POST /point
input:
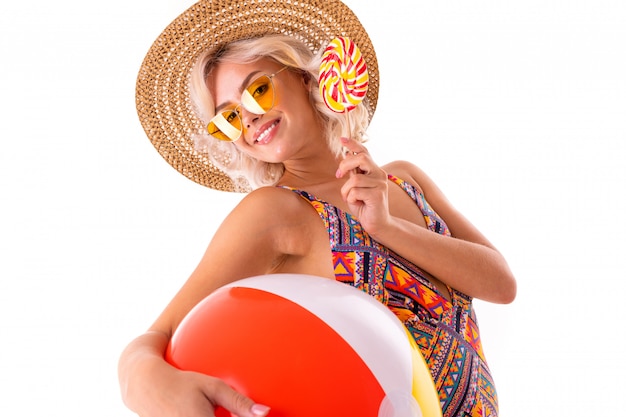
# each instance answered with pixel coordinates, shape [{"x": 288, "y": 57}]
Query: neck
[{"x": 316, "y": 169}]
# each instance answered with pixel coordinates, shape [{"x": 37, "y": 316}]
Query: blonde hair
[{"x": 245, "y": 171}]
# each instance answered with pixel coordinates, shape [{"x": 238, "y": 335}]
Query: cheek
[
  {"x": 302, "y": 109},
  {"x": 244, "y": 148},
  {"x": 294, "y": 93}
]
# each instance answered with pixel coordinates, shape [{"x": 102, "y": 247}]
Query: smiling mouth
[{"x": 261, "y": 138}]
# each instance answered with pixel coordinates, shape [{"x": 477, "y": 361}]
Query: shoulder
[
  {"x": 410, "y": 173},
  {"x": 267, "y": 208},
  {"x": 268, "y": 223},
  {"x": 418, "y": 178},
  {"x": 272, "y": 200},
  {"x": 282, "y": 216}
]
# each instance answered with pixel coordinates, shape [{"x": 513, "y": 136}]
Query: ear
[{"x": 306, "y": 79}]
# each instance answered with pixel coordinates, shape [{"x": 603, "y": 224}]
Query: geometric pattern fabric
[{"x": 444, "y": 326}]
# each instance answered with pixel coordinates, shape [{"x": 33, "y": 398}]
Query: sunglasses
[{"x": 258, "y": 98}]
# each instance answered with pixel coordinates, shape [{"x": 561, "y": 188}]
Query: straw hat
[{"x": 162, "y": 94}]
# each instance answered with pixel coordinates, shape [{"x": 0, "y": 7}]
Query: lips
[{"x": 264, "y": 134}]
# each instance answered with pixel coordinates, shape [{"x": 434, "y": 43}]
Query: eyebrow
[{"x": 243, "y": 85}]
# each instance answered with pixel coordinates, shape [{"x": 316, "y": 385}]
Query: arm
[
  {"x": 246, "y": 244},
  {"x": 478, "y": 269},
  {"x": 152, "y": 387}
]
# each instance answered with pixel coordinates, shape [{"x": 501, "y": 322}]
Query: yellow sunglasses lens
[
  {"x": 226, "y": 126},
  {"x": 257, "y": 98}
]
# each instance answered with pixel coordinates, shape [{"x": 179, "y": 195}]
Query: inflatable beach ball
[{"x": 307, "y": 347}]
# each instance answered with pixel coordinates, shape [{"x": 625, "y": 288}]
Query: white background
[{"x": 516, "y": 108}]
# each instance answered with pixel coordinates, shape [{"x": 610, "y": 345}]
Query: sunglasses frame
[{"x": 237, "y": 108}]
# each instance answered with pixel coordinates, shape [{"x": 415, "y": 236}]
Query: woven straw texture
[{"x": 162, "y": 93}]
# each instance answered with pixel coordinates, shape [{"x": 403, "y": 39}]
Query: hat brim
[{"x": 162, "y": 91}]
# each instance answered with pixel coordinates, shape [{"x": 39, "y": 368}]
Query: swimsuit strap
[{"x": 433, "y": 221}]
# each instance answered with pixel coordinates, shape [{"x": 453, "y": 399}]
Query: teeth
[{"x": 266, "y": 132}]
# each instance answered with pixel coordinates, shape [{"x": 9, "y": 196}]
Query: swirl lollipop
[{"x": 343, "y": 77}]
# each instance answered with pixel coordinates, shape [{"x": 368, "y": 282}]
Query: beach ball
[{"x": 306, "y": 346}]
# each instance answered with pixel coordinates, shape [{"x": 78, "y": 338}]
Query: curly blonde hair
[{"x": 245, "y": 171}]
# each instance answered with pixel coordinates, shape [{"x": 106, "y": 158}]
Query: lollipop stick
[
  {"x": 346, "y": 150},
  {"x": 348, "y": 133}
]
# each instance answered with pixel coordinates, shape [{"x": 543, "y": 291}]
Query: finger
[
  {"x": 360, "y": 163},
  {"x": 350, "y": 164},
  {"x": 353, "y": 146},
  {"x": 237, "y": 403},
  {"x": 358, "y": 187}
]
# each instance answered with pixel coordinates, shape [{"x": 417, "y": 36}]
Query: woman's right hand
[
  {"x": 191, "y": 394},
  {"x": 151, "y": 387}
]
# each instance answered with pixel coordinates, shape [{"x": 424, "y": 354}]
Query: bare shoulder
[
  {"x": 279, "y": 214},
  {"x": 272, "y": 204},
  {"x": 460, "y": 226},
  {"x": 409, "y": 172}
]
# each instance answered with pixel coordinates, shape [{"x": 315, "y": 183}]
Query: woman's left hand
[{"x": 366, "y": 190}]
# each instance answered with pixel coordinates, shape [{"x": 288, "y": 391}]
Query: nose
[{"x": 248, "y": 117}]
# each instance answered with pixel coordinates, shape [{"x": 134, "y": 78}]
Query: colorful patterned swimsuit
[{"x": 446, "y": 331}]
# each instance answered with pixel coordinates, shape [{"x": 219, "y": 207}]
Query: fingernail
[
  {"x": 344, "y": 140},
  {"x": 338, "y": 173},
  {"x": 260, "y": 410}
]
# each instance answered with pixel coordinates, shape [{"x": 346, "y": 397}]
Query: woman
[{"x": 265, "y": 127}]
